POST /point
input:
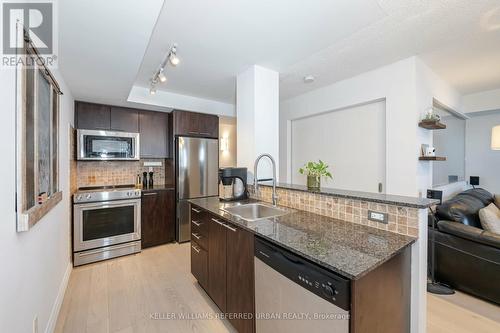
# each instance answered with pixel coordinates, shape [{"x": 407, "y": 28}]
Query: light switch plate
[{"x": 377, "y": 216}]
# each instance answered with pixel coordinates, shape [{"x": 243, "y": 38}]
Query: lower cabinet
[
  {"x": 227, "y": 263},
  {"x": 157, "y": 217}
]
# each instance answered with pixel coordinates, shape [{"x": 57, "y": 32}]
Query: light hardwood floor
[{"x": 121, "y": 295}]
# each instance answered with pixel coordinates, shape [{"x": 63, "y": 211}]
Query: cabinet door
[
  {"x": 209, "y": 126},
  {"x": 199, "y": 265},
  {"x": 217, "y": 263},
  {"x": 124, "y": 119},
  {"x": 157, "y": 218},
  {"x": 93, "y": 116},
  {"x": 153, "y": 128},
  {"x": 186, "y": 123},
  {"x": 240, "y": 278}
]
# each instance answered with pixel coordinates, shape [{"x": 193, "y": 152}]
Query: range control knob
[
  {"x": 88, "y": 196},
  {"x": 79, "y": 197},
  {"x": 129, "y": 194},
  {"x": 329, "y": 291}
]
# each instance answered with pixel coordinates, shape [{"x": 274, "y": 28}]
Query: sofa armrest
[{"x": 470, "y": 233}]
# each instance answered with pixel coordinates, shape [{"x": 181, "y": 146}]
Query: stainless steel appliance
[
  {"x": 95, "y": 145},
  {"x": 197, "y": 166},
  {"x": 106, "y": 223},
  {"x": 286, "y": 284},
  {"x": 233, "y": 184}
]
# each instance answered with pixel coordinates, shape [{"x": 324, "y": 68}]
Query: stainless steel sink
[{"x": 254, "y": 212}]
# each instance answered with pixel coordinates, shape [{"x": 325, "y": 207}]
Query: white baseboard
[{"x": 51, "y": 324}]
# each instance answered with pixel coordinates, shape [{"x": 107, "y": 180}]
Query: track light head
[
  {"x": 174, "y": 60},
  {"x": 162, "y": 77}
]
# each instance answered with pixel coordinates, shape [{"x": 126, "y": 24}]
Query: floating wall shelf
[
  {"x": 432, "y": 125},
  {"x": 432, "y": 158}
]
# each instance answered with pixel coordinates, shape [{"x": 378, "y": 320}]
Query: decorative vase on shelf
[{"x": 313, "y": 183}]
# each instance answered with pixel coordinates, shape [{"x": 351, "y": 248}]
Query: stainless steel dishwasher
[{"x": 295, "y": 295}]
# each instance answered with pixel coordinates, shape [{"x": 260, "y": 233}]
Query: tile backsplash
[
  {"x": 401, "y": 220},
  {"x": 92, "y": 173}
]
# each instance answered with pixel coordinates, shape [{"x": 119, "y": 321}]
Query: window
[{"x": 37, "y": 125}]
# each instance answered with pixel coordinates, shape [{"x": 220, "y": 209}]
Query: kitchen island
[{"x": 375, "y": 262}]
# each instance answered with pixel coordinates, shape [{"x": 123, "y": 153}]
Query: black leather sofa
[{"x": 467, "y": 257}]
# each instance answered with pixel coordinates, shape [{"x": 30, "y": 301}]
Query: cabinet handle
[
  {"x": 194, "y": 248},
  {"x": 147, "y": 194},
  {"x": 230, "y": 228},
  {"x": 219, "y": 222},
  {"x": 205, "y": 133},
  {"x": 196, "y": 236},
  {"x": 191, "y": 132},
  {"x": 196, "y": 223},
  {"x": 196, "y": 210}
]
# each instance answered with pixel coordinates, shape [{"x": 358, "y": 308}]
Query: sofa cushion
[
  {"x": 490, "y": 218},
  {"x": 497, "y": 200},
  {"x": 461, "y": 208},
  {"x": 470, "y": 233},
  {"x": 481, "y": 194}
]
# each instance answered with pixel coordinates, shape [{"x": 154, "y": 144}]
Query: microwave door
[{"x": 107, "y": 145}]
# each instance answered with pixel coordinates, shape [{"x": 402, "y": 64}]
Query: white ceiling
[{"x": 120, "y": 46}]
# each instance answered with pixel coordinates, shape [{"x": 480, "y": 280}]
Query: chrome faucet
[{"x": 256, "y": 179}]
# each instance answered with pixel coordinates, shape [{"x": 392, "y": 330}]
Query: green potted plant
[{"x": 314, "y": 172}]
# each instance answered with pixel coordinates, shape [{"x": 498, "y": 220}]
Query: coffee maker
[{"x": 233, "y": 182}]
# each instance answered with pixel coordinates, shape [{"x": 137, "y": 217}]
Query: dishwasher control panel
[{"x": 318, "y": 280}]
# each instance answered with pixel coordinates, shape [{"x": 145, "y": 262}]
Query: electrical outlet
[
  {"x": 378, "y": 217},
  {"x": 150, "y": 169},
  {"x": 35, "y": 324}
]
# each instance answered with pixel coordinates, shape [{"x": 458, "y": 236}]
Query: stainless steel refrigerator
[{"x": 197, "y": 176}]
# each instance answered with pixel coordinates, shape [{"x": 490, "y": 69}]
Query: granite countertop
[
  {"x": 158, "y": 187},
  {"x": 398, "y": 200},
  {"x": 349, "y": 249}
]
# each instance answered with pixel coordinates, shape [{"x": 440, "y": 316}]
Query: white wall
[
  {"x": 356, "y": 161},
  {"x": 482, "y": 101},
  {"x": 480, "y": 159},
  {"x": 257, "y": 108},
  {"x": 227, "y": 129},
  {"x": 397, "y": 85},
  {"x": 429, "y": 86},
  {"x": 35, "y": 264}
]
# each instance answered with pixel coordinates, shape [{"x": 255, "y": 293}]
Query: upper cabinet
[
  {"x": 124, "y": 119},
  {"x": 92, "y": 116},
  {"x": 105, "y": 117},
  {"x": 195, "y": 124},
  {"x": 154, "y": 134}
]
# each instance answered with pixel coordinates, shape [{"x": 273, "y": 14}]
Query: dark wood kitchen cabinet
[
  {"x": 153, "y": 128},
  {"x": 195, "y": 124},
  {"x": 157, "y": 217},
  {"x": 240, "y": 277},
  {"x": 217, "y": 268},
  {"x": 231, "y": 279},
  {"x": 92, "y": 116},
  {"x": 124, "y": 119}
]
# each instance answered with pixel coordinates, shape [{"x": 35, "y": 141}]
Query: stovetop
[{"x": 106, "y": 193}]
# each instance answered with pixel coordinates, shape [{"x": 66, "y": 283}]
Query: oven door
[
  {"x": 107, "y": 223},
  {"x": 107, "y": 145}
]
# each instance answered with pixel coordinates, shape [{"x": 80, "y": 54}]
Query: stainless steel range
[{"x": 106, "y": 223}]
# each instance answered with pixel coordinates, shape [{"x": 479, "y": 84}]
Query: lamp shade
[{"x": 495, "y": 138}]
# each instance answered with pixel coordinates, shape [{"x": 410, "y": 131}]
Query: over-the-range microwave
[{"x": 97, "y": 145}]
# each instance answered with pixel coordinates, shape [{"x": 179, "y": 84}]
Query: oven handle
[
  {"x": 117, "y": 247},
  {"x": 107, "y": 204}
]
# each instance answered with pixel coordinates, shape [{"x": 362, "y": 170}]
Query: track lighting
[{"x": 159, "y": 76}]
